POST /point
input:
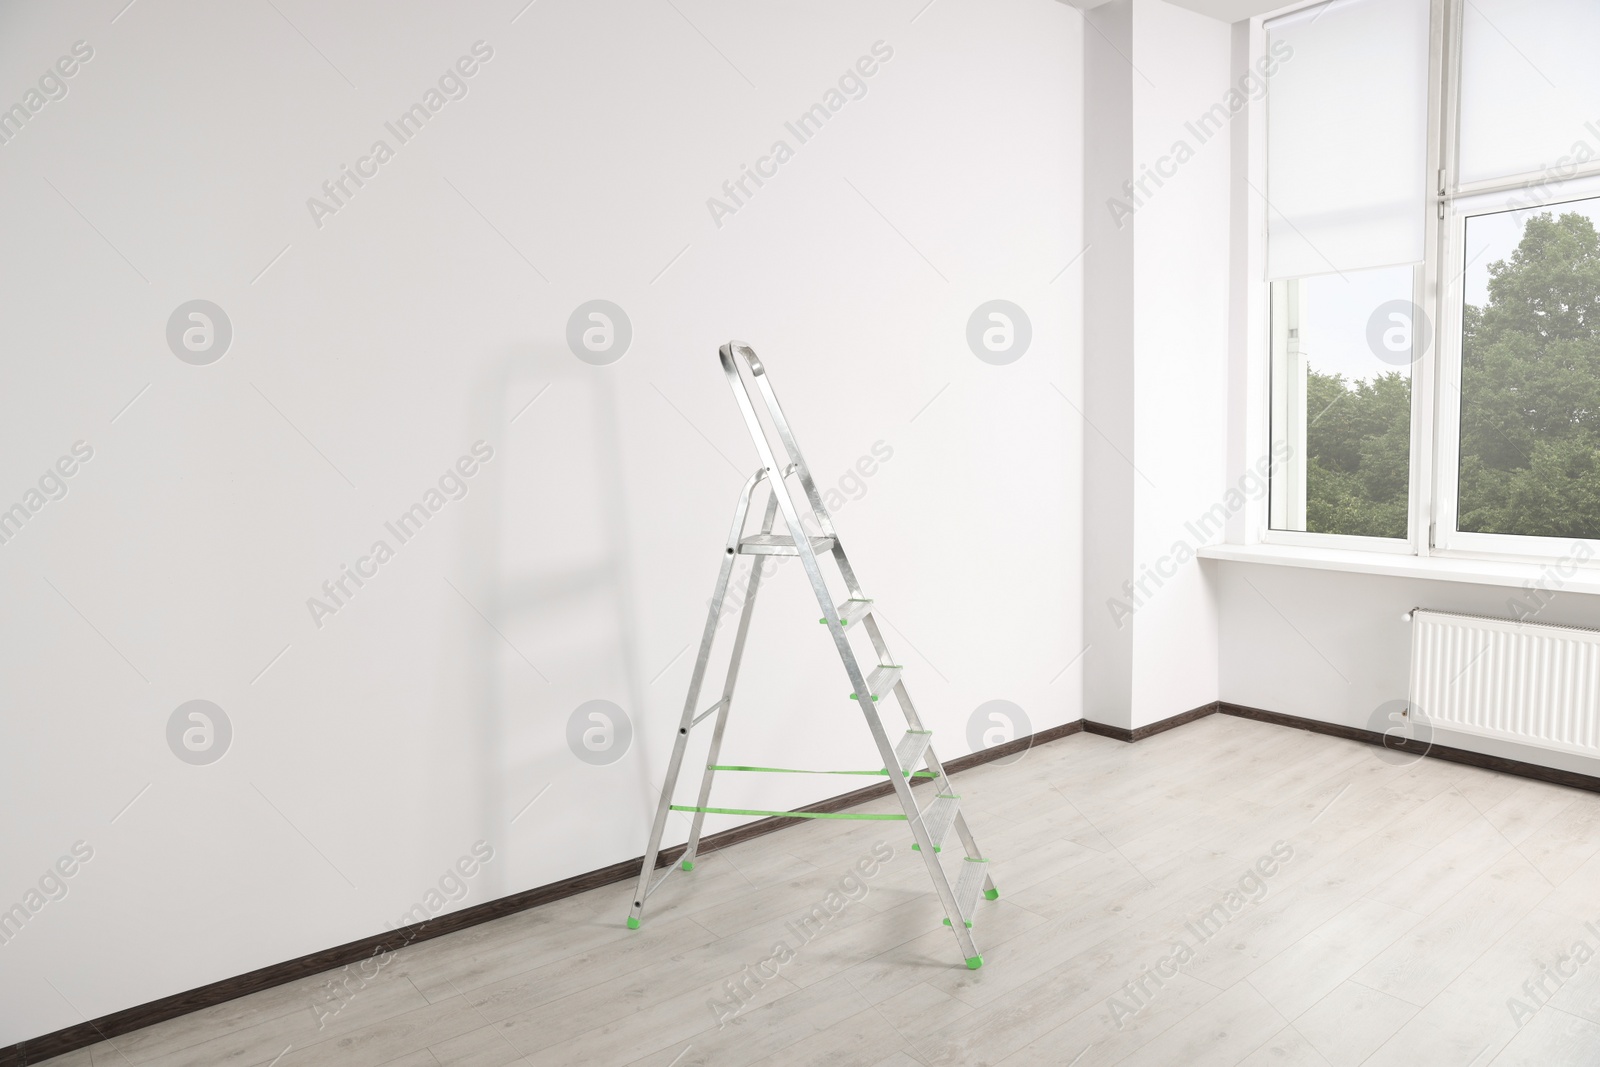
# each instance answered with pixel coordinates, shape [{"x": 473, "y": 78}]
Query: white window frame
[{"x": 1438, "y": 288}]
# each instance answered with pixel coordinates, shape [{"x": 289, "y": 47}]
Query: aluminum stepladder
[{"x": 930, "y": 825}]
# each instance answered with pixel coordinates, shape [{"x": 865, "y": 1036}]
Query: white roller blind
[
  {"x": 1530, "y": 88},
  {"x": 1347, "y": 122}
]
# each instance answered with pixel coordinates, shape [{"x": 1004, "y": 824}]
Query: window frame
[{"x": 1438, "y": 287}]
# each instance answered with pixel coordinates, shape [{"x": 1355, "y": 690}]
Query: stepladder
[{"x": 795, "y": 523}]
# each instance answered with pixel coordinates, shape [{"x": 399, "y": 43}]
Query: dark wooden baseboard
[
  {"x": 1572, "y": 779},
  {"x": 1150, "y": 729},
  {"x": 108, "y": 1026}
]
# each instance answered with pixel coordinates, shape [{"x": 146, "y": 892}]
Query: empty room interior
[{"x": 895, "y": 533}]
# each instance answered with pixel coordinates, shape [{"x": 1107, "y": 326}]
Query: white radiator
[{"x": 1524, "y": 682}]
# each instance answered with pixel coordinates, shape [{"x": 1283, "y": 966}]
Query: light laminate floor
[{"x": 1414, "y": 904}]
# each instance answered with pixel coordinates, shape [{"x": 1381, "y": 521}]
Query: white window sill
[{"x": 1508, "y": 573}]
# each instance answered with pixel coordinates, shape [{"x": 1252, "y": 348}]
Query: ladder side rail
[
  {"x": 663, "y": 807},
  {"x": 775, "y": 412},
  {"x": 881, "y": 647},
  {"x": 970, "y": 843},
  {"x": 908, "y": 707},
  {"x": 808, "y": 558},
  {"x": 791, "y": 517},
  {"x": 745, "y": 613},
  {"x": 914, "y": 721},
  {"x": 764, "y": 384},
  {"x": 944, "y": 785}
]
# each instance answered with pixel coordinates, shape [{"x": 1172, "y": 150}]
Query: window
[
  {"x": 1342, "y": 349},
  {"x": 1429, "y": 192},
  {"x": 1529, "y": 419}
]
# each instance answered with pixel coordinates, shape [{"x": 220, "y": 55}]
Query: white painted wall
[
  {"x": 1108, "y": 409},
  {"x": 1156, "y": 357},
  {"x": 1180, "y": 352},
  {"x": 1333, "y": 646},
  {"x": 372, "y": 351}
]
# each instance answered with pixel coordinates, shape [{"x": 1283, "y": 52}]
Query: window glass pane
[
  {"x": 1530, "y": 373},
  {"x": 1342, "y": 350},
  {"x": 1530, "y": 87},
  {"x": 1346, "y": 143}
]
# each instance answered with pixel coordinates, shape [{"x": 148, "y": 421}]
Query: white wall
[
  {"x": 1180, "y": 352},
  {"x": 1156, "y": 357},
  {"x": 422, "y": 317},
  {"x": 1333, "y": 646},
  {"x": 1108, "y": 329}
]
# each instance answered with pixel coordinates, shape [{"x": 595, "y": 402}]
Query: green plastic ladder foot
[
  {"x": 633, "y": 924},
  {"x": 688, "y": 865},
  {"x": 991, "y": 894},
  {"x": 948, "y": 923},
  {"x": 974, "y": 963}
]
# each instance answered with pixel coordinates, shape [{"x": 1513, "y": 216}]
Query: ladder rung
[
  {"x": 851, "y": 611},
  {"x": 969, "y": 886},
  {"x": 938, "y": 817},
  {"x": 911, "y": 747},
  {"x": 781, "y": 545},
  {"x": 657, "y": 883},
  {"x": 708, "y": 711},
  {"x": 881, "y": 680}
]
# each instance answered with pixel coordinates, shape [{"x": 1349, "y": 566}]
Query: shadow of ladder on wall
[{"x": 902, "y": 761}]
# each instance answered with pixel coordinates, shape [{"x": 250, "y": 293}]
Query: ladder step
[
  {"x": 881, "y": 680},
  {"x": 861, "y": 815},
  {"x": 938, "y": 818},
  {"x": 851, "y": 611},
  {"x": 781, "y": 545},
  {"x": 801, "y": 770},
  {"x": 970, "y": 886},
  {"x": 911, "y": 747}
]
